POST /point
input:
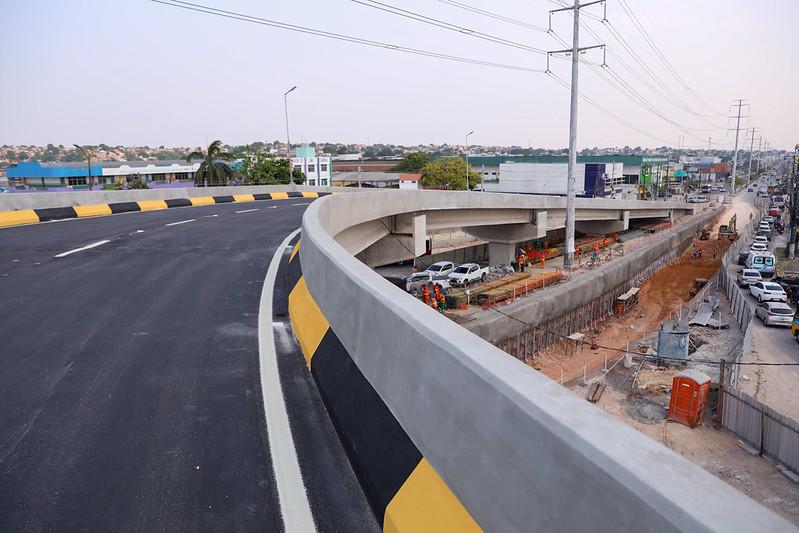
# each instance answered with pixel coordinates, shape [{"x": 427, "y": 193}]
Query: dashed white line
[
  {"x": 247, "y": 211},
  {"x": 291, "y": 492},
  {"x": 304, "y": 203},
  {"x": 87, "y": 247},
  {"x": 181, "y": 222}
]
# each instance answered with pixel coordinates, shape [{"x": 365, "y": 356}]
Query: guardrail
[{"x": 517, "y": 450}]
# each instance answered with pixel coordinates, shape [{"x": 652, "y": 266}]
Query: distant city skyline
[{"x": 138, "y": 72}]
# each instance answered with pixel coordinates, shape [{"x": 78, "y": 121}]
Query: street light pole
[
  {"x": 467, "y": 159},
  {"x": 88, "y": 155},
  {"x": 288, "y": 138}
]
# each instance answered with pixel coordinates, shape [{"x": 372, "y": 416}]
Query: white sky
[{"x": 136, "y": 72}]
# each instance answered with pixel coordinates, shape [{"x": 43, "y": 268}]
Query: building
[
  {"x": 318, "y": 170},
  {"x": 49, "y": 175},
  {"x": 622, "y": 174}
]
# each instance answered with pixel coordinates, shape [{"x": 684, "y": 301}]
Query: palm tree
[{"x": 211, "y": 171}]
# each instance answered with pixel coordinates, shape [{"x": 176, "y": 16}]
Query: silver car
[{"x": 774, "y": 314}]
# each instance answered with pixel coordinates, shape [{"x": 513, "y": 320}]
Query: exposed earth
[{"x": 641, "y": 398}]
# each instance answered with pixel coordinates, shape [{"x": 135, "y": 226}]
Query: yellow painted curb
[
  {"x": 424, "y": 503},
  {"x": 244, "y": 197},
  {"x": 149, "y": 205},
  {"x": 92, "y": 210},
  {"x": 14, "y": 218},
  {"x": 279, "y": 195},
  {"x": 202, "y": 200}
]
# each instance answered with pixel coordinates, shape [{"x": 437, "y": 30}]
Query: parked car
[
  {"x": 748, "y": 276},
  {"x": 767, "y": 291},
  {"x": 442, "y": 268},
  {"x": 788, "y": 281},
  {"x": 774, "y": 314},
  {"x": 467, "y": 274},
  {"x": 417, "y": 280}
]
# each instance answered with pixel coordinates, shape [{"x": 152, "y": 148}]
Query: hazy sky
[{"x": 137, "y": 72}]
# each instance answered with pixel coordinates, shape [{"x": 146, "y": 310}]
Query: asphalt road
[
  {"x": 130, "y": 396},
  {"x": 774, "y": 344}
]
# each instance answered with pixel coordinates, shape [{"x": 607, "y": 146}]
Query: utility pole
[
  {"x": 751, "y": 153},
  {"x": 737, "y": 131},
  {"x": 759, "y": 146},
  {"x": 794, "y": 216},
  {"x": 568, "y": 251}
]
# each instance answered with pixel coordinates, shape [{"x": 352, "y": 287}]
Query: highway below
[{"x": 130, "y": 389}]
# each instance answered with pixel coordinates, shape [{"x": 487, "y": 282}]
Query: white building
[{"x": 318, "y": 170}]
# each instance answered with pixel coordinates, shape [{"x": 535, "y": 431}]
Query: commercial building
[
  {"x": 49, "y": 175},
  {"x": 619, "y": 175}
]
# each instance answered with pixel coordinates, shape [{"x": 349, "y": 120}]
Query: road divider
[{"x": 46, "y": 214}]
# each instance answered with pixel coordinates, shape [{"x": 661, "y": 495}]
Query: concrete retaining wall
[
  {"x": 561, "y": 299},
  {"x": 520, "y": 452}
]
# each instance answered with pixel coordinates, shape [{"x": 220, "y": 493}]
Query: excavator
[{"x": 729, "y": 230}]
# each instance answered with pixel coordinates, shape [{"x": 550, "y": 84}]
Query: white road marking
[
  {"x": 272, "y": 207},
  {"x": 294, "y": 506},
  {"x": 211, "y": 216},
  {"x": 87, "y": 247},
  {"x": 181, "y": 222},
  {"x": 304, "y": 203},
  {"x": 247, "y": 211}
]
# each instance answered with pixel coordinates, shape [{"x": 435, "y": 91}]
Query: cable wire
[{"x": 332, "y": 35}]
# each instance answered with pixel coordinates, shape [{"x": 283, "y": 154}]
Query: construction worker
[
  {"x": 543, "y": 260},
  {"x": 596, "y": 248},
  {"x": 442, "y": 305},
  {"x": 700, "y": 253},
  {"x": 415, "y": 269},
  {"x": 437, "y": 291},
  {"x": 604, "y": 243},
  {"x": 615, "y": 237},
  {"x": 714, "y": 253},
  {"x": 434, "y": 303},
  {"x": 577, "y": 251},
  {"x": 426, "y": 295}
]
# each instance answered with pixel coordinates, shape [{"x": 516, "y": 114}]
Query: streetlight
[
  {"x": 467, "y": 159},
  {"x": 288, "y": 138}
]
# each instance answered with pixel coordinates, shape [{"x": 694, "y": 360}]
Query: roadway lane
[{"x": 130, "y": 392}]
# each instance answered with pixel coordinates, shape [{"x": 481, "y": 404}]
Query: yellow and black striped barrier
[
  {"x": 405, "y": 492},
  {"x": 32, "y": 216}
]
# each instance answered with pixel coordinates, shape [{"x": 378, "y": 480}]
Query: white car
[
  {"x": 765, "y": 291},
  {"x": 759, "y": 247},
  {"x": 774, "y": 314},
  {"x": 467, "y": 274},
  {"x": 768, "y": 219},
  {"x": 442, "y": 268},
  {"x": 748, "y": 276},
  {"x": 697, "y": 199},
  {"x": 761, "y": 239}
]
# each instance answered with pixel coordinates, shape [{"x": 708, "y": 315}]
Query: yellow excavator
[{"x": 729, "y": 230}]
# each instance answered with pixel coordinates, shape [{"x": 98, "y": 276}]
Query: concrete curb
[{"x": 45, "y": 214}]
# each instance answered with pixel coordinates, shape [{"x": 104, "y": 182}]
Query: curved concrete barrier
[{"x": 517, "y": 450}]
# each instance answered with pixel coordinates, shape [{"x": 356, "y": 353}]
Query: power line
[
  {"x": 446, "y": 25},
  {"x": 492, "y": 15},
  {"x": 336, "y": 36}
]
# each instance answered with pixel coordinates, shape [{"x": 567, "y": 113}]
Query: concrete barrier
[{"x": 517, "y": 450}]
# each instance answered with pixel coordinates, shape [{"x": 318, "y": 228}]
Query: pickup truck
[
  {"x": 468, "y": 273},
  {"x": 442, "y": 268},
  {"x": 417, "y": 280}
]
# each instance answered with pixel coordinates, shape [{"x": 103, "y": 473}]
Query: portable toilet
[{"x": 689, "y": 392}]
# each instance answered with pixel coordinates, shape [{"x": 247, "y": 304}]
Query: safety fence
[
  {"x": 532, "y": 342},
  {"x": 774, "y": 435}
]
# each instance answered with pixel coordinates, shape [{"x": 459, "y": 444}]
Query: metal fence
[{"x": 774, "y": 435}]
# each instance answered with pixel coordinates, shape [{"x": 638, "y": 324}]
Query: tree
[
  {"x": 386, "y": 151},
  {"x": 448, "y": 173},
  {"x": 414, "y": 162},
  {"x": 212, "y": 171},
  {"x": 257, "y": 168},
  {"x": 88, "y": 155}
]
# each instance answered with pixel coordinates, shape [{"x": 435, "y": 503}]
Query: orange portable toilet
[{"x": 689, "y": 392}]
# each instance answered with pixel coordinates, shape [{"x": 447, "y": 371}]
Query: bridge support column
[{"x": 501, "y": 253}]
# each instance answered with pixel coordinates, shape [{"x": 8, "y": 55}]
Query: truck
[
  {"x": 468, "y": 273},
  {"x": 441, "y": 268}
]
